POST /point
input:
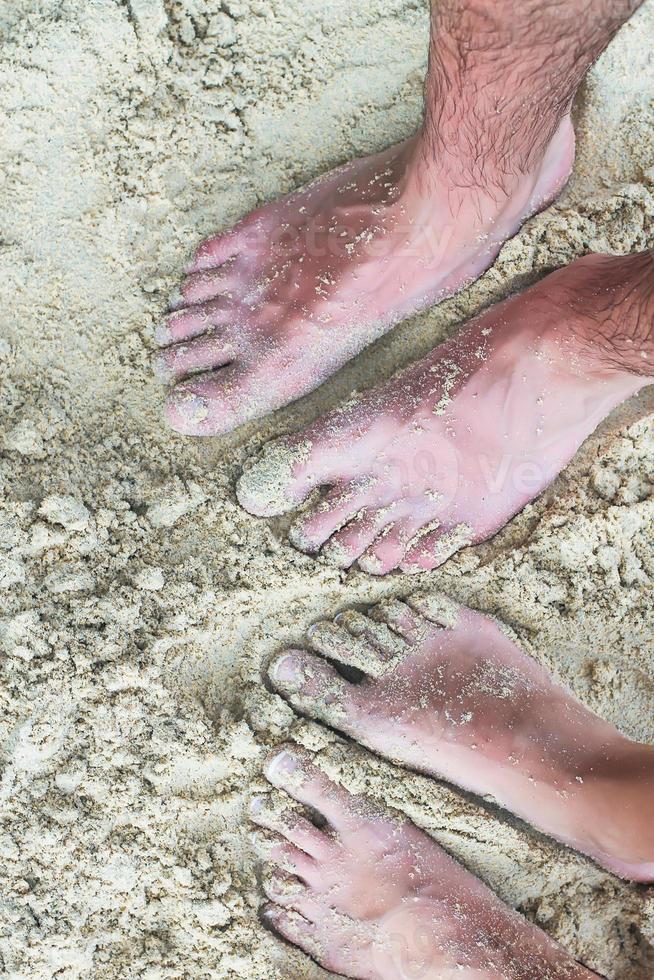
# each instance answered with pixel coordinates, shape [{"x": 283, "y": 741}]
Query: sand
[{"x": 138, "y": 601}]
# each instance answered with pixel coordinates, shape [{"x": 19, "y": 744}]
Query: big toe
[
  {"x": 216, "y": 402},
  {"x": 272, "y": 484},
  {"x": 209, "y": 404}
]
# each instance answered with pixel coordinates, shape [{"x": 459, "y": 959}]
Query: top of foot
[
  {"x": 272, "y": 308},
  {"x": 447, "y": 451},
  {"x": 446, "y": 692},
  {"x": 372, "y": 897}
]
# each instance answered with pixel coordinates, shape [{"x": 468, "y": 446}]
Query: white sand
[{"x": 138, "y": 600}]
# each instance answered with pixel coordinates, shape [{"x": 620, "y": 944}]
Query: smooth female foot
[
  {"x": 372, "y": 897},
  {"x": 447, "y": 451},
  {"x": 447, "y": 693},
  {"x": 299, "y": 287}
]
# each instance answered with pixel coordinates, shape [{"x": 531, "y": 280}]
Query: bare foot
[
  {"x": 447, "y": 693},
  {"x": 272, "y": 308},
  {"x": 451, "y": 448},
  {"x": 372, "y": 897}
]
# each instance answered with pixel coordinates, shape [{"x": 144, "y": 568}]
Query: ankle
[
  {"x": 480, "y": 192},
  {"x": 611, "y": 299}
]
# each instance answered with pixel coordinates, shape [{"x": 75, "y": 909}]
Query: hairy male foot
[
  {"x": 447, "y": 693},
  {"x": 272, "y": 308},
  {"x": 447, "y": 451},
  {"x": 372, "y": 897},
  {"x": 299, "y": 287}
]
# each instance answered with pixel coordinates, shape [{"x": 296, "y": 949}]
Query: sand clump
[{"x": 139, "y": 603}]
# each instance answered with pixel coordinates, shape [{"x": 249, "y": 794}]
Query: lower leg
[
  {"x": 502, "y": 76},
  {"x": 613, "y": 304}
]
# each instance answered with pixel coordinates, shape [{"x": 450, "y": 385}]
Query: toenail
[
  {"x": 193, "y": 408},
  {"x": 371, "y": 564},
  {"x": 162, "y": 334},
  {"x": 283, "y": 764},
  {"x": 336, "y": 554},
  {"x": 161, "y": 369},
  {"x": 286, "y": 669},
  {"x": 257, "y": 804},
  {"x": 175, "y": 300},
  {"x": 283, "y": 886}
]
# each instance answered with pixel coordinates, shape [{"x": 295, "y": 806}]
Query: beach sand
[{"x": 138, "y": 602}]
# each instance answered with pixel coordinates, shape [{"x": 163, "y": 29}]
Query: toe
[
  {"x": 290, "y": 768},
  {"x": 439, "y": 609},
  {"x": 196, "y": 320},
  {"x": 374, "y": 634},
  {"x": 273, "y": 483},
  {"x": 432, "y": 549},
  {"x": 351, "y": 541},
  {"x": 289, "y": 469},
  {"x": 201, "y": 354},
  {"x": 278, "y": 851},
  {"x": 334, "y": 641},
  {"x": 295, "y": 928},
  {"x": 199, "y": 287},
  {"x": 211, "y": 404},
  {"x": 215, "y": 250},
  {"x": 313, "y": 687},
  {"x": 291, "y": 893},
  {"x": 295, "y": 828},
  {"x": 389, "y": 548},
  {"x": 339, "y": 506},
  {"x": 402, "y": 619}
]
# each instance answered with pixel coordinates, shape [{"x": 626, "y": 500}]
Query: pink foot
[
  {"x": 272, "y": 308},
  {"x": 447, "y": 451},
  {"x": 447, "y": 693},
  {"x": 372, "y": 897}
]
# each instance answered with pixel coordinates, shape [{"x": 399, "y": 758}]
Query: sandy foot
[
  {"x": 371, "y": 896},
  {"x": 447, "y": 693},
  {"x": 447, "y": 451},
  {"x": 272, "y": 308}
]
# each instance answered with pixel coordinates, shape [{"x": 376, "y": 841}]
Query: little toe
[
  {"x": 339, "y": 506},
  {"x": 202, "y": 354},
  {"x": 389, "y": 548},
  {"x": 290, "y": 768},
  {"x": 291, "y": 825},
  {"x": 313, "y": 687},
  {"x": 345, "y": 546},
  {"x": 434, "y": 548}
]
